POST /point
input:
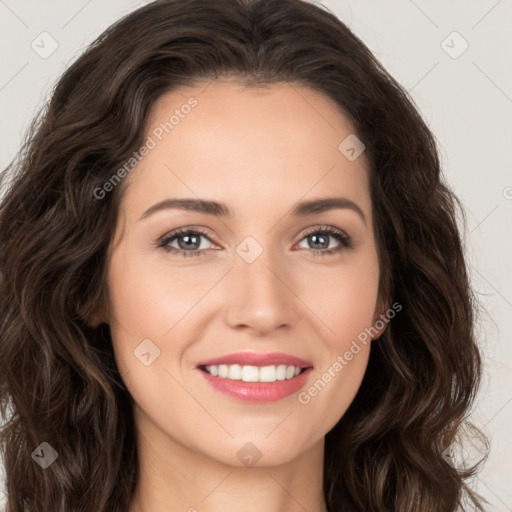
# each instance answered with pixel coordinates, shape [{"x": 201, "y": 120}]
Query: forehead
[{"x": 239, "y": 145}]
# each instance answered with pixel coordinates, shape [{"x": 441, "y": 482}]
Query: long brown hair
[{"x": 58, "y": 379}]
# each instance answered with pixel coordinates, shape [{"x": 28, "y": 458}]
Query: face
[{"x": 256, "y": 284}]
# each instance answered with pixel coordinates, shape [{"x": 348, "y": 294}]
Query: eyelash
[{"x": 345, "y": 241}]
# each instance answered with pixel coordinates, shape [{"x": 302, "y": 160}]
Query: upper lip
[{"x": 255, "y": 359}]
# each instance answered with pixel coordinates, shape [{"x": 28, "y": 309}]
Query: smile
[
  {"x": 253, "y": 377},
  {"x": 248, "y": 373}
]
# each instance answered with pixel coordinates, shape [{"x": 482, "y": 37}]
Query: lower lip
[{"x": 257, "y": 391}]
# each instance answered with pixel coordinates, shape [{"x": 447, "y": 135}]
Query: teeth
[
  {"x": 250, "y": 374},
  {"x": 234, "y": 372},
  {"x": 267, "y": 374},
  {"x": 254, "y": 373},
  {"x": 223, "y": 370},
  {"x": 281, "y": 372}
]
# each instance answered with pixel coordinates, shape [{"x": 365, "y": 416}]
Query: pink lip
[
  {"x": 258, "y": 391},
  {"x": 254, "y": 359}
]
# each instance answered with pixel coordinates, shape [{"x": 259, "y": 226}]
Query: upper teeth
[{"x": 253, "y": 373}]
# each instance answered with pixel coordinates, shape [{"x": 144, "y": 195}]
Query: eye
[
  {"x": 319, "y": 238},
  {"x": 189, "y": 242}
]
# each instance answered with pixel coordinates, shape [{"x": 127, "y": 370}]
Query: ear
[
  {"x": 97, "y": 318},
  {"x": 99, "y": 315},
  {"x": 381, "y": 317}
]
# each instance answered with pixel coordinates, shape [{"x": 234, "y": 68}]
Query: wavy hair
[{"x": 58, "y": 379}]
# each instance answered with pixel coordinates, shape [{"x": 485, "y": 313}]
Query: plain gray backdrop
[{"x": 454, "y": 59}]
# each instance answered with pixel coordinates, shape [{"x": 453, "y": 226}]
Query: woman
[{"x": 172, "y": 335}]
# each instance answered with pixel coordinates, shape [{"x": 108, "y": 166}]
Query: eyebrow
[{"x": 312, "y": 207}]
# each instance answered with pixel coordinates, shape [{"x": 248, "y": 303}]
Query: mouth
[
  {"x": 249, "y": 373},
  {"x": 256, "y": 377}
]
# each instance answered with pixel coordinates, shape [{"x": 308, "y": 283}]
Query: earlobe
[
  {"x": 97, "y": 318},
  {"x": 381, "y": 318},
  {"x": 99, "y": 315}
]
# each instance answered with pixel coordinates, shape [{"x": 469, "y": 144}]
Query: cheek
[
  {"x": 343, "y": 297},
  {"x": 146, "y": 302},
  {"x": 148, "y": 298},
  {"x": 345, "y": 302},
  {"x": 155, "y": 309}
]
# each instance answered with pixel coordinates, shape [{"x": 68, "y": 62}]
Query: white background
[{"x": 466, "y": 101}]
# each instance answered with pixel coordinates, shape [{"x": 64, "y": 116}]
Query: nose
[{"x": 260, "y": 296}]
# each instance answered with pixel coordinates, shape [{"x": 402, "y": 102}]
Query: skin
[{"x": 260, "y": 151}]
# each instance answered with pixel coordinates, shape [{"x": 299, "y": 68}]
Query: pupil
[
  {"x": 315, "y": 238},
  {"x": 187, "y": 241}
]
